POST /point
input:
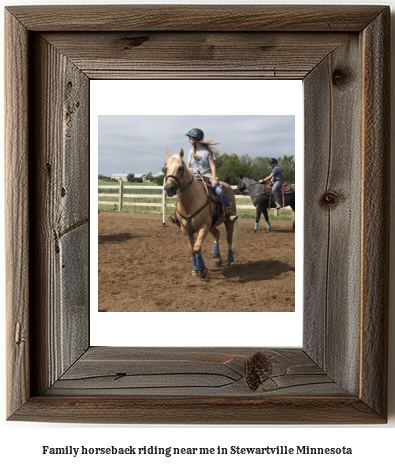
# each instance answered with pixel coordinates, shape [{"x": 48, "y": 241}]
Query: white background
[
  {"x": 20, "y": 443},
  {"x": 110, "y": 97}
]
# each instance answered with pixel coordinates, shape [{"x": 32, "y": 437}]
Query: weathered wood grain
[
  {"x": 121, "y": 385},
  {"x": 17, "y": 213},
  {"x": 196, "y": 17},
  {"x": 339, "y": 376},
  {"x": 332, "y": 220},
  {"x": 375, "y": 164},
  {"x": 210, "y": 372},
  {"x": 60, "y": 204},
  {"x": 187, "y": 55},
  {"x": 198, "y": 410}
]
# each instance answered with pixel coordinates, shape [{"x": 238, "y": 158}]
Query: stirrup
[
  {"x": 174, "y": 220},
  {"x": 232, "y": 217}
]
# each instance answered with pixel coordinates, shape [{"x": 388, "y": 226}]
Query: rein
[
  {"x": 189, "y": 217},
  {"x": 256, "y": 195},
  {"x": 187, "y": 185},
  {"x": 177, "y": 182}
]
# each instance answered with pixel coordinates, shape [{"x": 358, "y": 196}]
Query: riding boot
[
  {"x": 173, "y": 219},
  {"x": 225, "y": 203},
  {"x": 231, "y": 216}
]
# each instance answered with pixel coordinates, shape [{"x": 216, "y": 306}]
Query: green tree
[
  {"x": 230, "y": 167},
  {"x": 260, "y": 168},
  {"x": 159, "y": 179},
  {"x": 105, "y": 178},
  {"x": 130, "y": 177},
  {"x": 287, "y": 165}
]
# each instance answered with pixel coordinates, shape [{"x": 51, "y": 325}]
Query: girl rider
[
  {"x": 277, "y": 176},
  {"x": 201, "y": 160}
]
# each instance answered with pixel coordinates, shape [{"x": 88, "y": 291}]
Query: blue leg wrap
[
  {"x": 194, "y": 265},
  {"x": 256, "y": 226},
  {"x": 215, "y": 250},
  {"x": 269, "y": 227},
  {"x": 230, "y": 256},
  {"x": 199, "y": 262}
]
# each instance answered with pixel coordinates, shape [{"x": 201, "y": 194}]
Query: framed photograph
[
  {"x": 249, "y": 129},
  {"x": 339, "y": 375}
]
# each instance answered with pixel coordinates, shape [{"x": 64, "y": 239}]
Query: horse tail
[{"x": 236, "y": 233}]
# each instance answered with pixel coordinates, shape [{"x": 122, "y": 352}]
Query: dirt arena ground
[{"x": 144, "y": 267}]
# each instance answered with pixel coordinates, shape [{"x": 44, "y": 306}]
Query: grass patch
[{"x": 113, "y": 187}]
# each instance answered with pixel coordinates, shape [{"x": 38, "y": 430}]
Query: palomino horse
[
  {"x": 197, "y": 212},
  {"x": 261, "y": 199}
]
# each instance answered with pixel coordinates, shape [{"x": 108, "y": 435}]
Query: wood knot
[
  {"x": 135, "y": 41},
  {"x": 330, "y": 199},
  {"x": 120, "y": 375},
  {"x": 340, "y": 77},
  {"x": 259, "y": 369},
  {"x": 18, "y": 333}
]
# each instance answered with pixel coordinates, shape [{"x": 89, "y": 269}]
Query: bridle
[
  {"x": 178, "y": 178},
  {"x": 246, "y": 187},
  {"x": 238, "y": 191}
]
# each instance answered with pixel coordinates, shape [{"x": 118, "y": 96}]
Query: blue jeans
[
  {"x": 220, "y": 193},
  {"x": 276, "y": 186}
]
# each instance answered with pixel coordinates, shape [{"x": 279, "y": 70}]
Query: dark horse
[{"x": 261, "y": 199}]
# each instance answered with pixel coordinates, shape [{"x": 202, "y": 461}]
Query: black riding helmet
[
  {"x": 272, "y": 160},
  {"x": 197, "y": 134}
]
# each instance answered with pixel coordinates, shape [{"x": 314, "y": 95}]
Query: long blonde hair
[{"x": 208, "y": 145}]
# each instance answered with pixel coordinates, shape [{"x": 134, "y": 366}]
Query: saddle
[
  {"x": 285, "y": 189},
  {"x": 220, "y": 208}
]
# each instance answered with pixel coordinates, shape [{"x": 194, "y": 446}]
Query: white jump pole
[
  {"x": 120, "y": 201},
  {"x": 163, "y": 204}
]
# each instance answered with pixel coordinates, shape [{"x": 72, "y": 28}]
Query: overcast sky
[{"x": 138, "y": 144}]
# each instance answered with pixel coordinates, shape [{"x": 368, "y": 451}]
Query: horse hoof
[
  {"x": 217, "y": 261},
  {"x": 202, "y": 273},
  {"x": 254, "y": 232}
]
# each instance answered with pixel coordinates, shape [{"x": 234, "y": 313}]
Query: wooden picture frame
[{"x": 340, "y": 374}]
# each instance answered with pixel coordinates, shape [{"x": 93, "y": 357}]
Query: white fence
[{"x": 122, "y": 198}]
